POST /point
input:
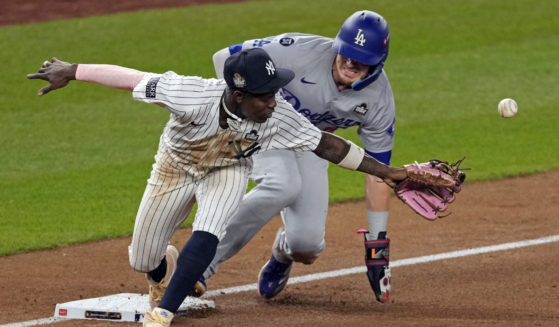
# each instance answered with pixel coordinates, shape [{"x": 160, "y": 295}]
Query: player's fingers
[
  {"x": 46, "y": 89},
  {"x": 46, "y": 63},
  {"x": 35, "y": 76},
  {"x": 390, "y": 182}
]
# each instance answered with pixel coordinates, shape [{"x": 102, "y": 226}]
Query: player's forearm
[
  {"x": 339, "y": 151},
  {"x": 332, "y": 148},
  {"x": 112, "y": 76},
  {"x": 374, "y": 167}
]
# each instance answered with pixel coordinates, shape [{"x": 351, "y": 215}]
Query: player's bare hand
[
  {"x": 57, "y": 72},
  {"x": 395, "y": 176}
]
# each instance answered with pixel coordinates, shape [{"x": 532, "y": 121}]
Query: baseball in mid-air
[{"x": 507, "y": 108}]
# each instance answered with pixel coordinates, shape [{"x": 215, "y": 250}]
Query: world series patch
[
  {"x": 151, "y": 87},
  {"x": 252, "y": 136},
  {"x": 361, "y": 109}
]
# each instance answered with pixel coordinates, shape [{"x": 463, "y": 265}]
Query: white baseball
[{"x": 507, "y": 108}]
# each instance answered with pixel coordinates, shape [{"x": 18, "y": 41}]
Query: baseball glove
[{"x": 430, "y": 187}]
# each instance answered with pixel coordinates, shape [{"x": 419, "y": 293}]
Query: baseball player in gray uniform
[
  {"x": 204, "y": 155},
  {"x": 339, "y": 83}
]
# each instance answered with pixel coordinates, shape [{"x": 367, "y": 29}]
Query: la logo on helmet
[{"x": 360, "y": 38}]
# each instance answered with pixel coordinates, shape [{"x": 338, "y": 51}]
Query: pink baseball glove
[{"x": 430, "y": 187}]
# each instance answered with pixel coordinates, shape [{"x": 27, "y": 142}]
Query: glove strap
[{"x": 377, "y": 252}]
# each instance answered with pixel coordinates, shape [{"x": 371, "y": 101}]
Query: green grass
[{"x": 74, "y": 163}]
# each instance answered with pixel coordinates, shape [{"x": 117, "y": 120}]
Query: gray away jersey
[
  {"x": 313, "y": 92},
  {"x": 193, "y": 137}
]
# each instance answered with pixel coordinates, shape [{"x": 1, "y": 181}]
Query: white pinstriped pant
[{"x": 168, "y": 200}]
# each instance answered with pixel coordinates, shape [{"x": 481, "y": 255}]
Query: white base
[{"x": 128, "y": 307}]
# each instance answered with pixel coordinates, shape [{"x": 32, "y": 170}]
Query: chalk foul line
[
  {"x": 346, "y": 271},
  {"x": 393, "y": 264}
]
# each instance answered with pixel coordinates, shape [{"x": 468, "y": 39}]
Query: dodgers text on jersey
[{"x": 318, "y": 118}]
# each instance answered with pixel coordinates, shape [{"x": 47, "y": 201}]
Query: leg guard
[{"x": 377, "y": 257}]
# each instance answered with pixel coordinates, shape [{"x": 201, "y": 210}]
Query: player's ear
[{"x": 238, "y": 96}]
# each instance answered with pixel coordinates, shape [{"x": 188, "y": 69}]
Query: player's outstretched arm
[
  {"x": 346, "y": 154},
  {"x": 59, "y": 73}
]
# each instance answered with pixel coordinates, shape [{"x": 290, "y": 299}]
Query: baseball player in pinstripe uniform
[
  {"x": 204, "y": 155},
  {"x": 339, "y": 83}
]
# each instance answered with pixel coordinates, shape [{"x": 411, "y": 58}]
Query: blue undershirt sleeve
[{"x": 383, "y": 157}]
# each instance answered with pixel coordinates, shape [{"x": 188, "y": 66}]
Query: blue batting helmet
[{"x": 364, "y": 37}]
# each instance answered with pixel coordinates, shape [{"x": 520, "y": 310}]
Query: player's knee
[
  {"x": 306, "y": 250},
  {"x": 305, "y": 258},
  {"x": 141, "y": 264}
]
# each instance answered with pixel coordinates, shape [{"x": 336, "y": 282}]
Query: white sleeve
[
  {"x": 219, "y": 61},
  {"x": 149, "y": 90},
  {"x": 179, "y": 94},
  {"x": 295, "y": 132}
]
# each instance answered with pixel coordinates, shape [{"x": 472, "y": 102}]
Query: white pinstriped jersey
[
  {"x": 199, "y": 161},
  {"x": 195, "y": 141},
  {"x": 314, "y": 95}
]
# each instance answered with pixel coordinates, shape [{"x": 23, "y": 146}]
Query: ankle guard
[{"x": 377, "y": 258}]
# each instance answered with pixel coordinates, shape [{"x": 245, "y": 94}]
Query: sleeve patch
[
  {"x": 286, "y": 41},
  {"x": 151, "y": 87}
]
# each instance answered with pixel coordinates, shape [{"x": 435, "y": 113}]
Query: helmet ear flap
[{"x": 362, "y": 83}]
